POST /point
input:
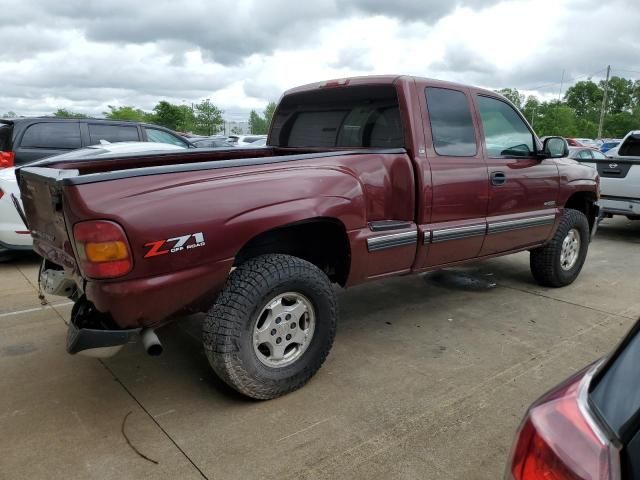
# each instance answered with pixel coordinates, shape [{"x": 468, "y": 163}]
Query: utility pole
[
  {"x": 604, "y": 102},
  {"x": 561, "y": 84}
]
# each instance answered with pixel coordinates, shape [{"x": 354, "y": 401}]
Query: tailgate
[
  {"x": 620, "y": 177},
  {"x": 41, "y": 192}
]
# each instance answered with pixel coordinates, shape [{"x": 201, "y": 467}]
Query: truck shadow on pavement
[{"x": 625, "y": 231}]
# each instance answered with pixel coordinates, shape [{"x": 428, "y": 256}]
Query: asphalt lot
[{"x": 428, "y": 378}]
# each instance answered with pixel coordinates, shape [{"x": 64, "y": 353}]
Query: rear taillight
[
  {"x": 1, "y": 193},
  {"x": 7, "y": 159},
  {"x": 556, "y": 441},
  {"x": 103, "y": 249}
]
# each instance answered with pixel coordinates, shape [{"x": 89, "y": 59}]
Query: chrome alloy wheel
[
  {"x": 570, "y": 249},
  {"x": 284, "y": 329}
]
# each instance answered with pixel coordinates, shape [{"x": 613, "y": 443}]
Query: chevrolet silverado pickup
[{"x": 362, "y": 179}]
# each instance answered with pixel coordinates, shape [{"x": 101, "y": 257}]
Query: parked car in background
[
  {"x": 361, "y": 179},
  {"x": 573, "y": 142},
  {"x": 260, "y": 143},
  {"x": 588, "y": 427},
  {"x": 620, "y": 178},
  {"x": 14, "y": 235},
  {"x": 609, "y": 144},
  {"x": 612, "y": 152},
  {"x": 586, "y": 153},
  {"x": 24, "y": 140},
  {"x": 211, "y": 142},
  {"x": 239, "y": 140},
  {"x": 587, "y": 142}
]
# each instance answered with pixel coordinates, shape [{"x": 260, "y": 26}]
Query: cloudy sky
[{"x": 86, "y": 54}]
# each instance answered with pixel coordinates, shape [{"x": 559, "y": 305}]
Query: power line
[
  {"x": 571, "y": 80},
  {"x": 625, "y": 70}
]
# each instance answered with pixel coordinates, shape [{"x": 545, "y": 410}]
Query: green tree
[
  {"x": 167, "y": 114},
  {"x": 208, "y": 118},
  {"x": 9, "y": 114},
  {"x": 187, "y": 122},
  {"x": 64, "y": 113},
  {"x": 556, "y": 118},
  {"x": 513, "y": 95},
  {"x": 126, "y": 113},
  {"x": 236, "y": 130},
  {"x": 257, "y": 124},
  {"x": 620, "y": 94},
  {"x": 531, "y": 109},
  {"x": 269, "y": 111},
  {"x": 585, "y": 98},
  {"x": 617, "y": 125}
]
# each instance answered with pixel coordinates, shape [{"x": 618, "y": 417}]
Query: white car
[
  {"x": 14, "y": 235},
  {"x": 244, "y": 140}
]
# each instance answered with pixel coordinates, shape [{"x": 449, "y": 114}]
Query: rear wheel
[
  {"x": 559, "y": 262},
  {"x": 272, "y": 326}
]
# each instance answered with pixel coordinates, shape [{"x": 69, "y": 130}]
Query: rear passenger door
[
  {"x": 456, "y": 225},
  {"x": 111, "y": 132},
  {"x": 44, "y": 139},
  {"x": 522, "y": 188}
]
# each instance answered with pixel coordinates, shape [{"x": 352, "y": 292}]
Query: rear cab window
[
  {"x": 630, "y": 146},
  {"x": 112, "y": 133},
  {"x": 343, "y": 117}
]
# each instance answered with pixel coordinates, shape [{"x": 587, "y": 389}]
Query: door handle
[{"x": 498, "y": 178}]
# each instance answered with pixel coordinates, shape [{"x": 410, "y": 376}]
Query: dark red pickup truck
[{"x": 362, "y": 178}]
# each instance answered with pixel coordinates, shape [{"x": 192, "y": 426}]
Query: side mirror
[{"x": 554, "y": 147}]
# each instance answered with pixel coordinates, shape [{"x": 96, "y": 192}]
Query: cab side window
[
  {"x": 505, "y": 133},
  {"x": 451, "y": 124}
]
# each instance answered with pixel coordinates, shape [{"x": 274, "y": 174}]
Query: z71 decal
[{"x": 175, "y": 245}]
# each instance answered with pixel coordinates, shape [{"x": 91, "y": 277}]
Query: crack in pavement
[{"x": 166, "y": 434}]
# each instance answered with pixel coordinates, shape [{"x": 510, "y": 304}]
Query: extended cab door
[
  {"x": 454, "y": 226},
  {"x": 522, "y": 188}
]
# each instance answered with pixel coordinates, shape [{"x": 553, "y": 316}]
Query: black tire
[
  {"x": 229, "y": 325},
  {"x": 545, "y": 261}
]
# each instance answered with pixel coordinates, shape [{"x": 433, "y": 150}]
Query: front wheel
[
  {"x": 559, "y": 262},
  {"x": 272, "y": 326}
]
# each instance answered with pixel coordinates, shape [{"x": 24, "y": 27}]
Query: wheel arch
[
  {"x": 585, "y": 202},
  {"x": 322, "y": 241}
]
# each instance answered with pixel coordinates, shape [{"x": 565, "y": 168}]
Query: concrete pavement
[{"x": 429, "y": 377}]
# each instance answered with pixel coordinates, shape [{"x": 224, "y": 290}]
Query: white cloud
[{"x": 242, "y": 54}]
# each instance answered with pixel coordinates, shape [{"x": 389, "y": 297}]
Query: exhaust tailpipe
[{"x": 151, "y": 342}]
